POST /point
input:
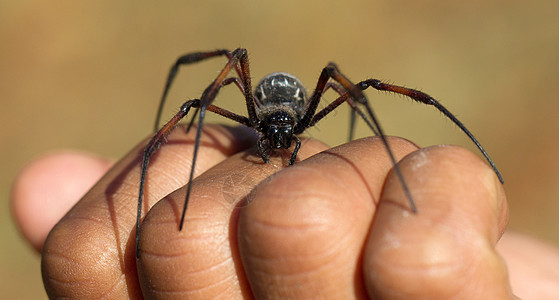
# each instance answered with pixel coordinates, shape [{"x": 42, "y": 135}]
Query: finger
[
  {"x": 302, "y": 235},
  {"x": 90, "y": 252},
  {"x": 202, "y": 261},
  {"x": 47, "y": 187},
  {"x": 533, "y": 266},
  {"x": 446, "y": 250}
]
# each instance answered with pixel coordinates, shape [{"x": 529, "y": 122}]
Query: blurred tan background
[{"x": 88, "y": 75}]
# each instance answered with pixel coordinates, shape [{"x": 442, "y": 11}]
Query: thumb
[{"x": 47, "y": 187}]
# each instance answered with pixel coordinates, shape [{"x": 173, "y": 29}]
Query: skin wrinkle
[
  {"x": 192, "y": 240},
  {"x": 99, "y": 223},
  {"x": 298, "y": 257},
  {"x": 302, "y": 276},
  {"x": 209, "y": 269},
  {"x": 98, "y": 260},
  {"x": 187, "y": 293},
  {"x": 191, "y": 219},
  {"x": 206, "y": 286},
  {"x": 294, "y": 227},
  {"x": 177, "y": 254},
  {"x": 113, "y": 287},
  {"x": 305, "y": 257},
  {"x": 297, "y": 228},
  {"x": 322, "y": 263},
  {"x": 322, "y": 198},
  {"x": 234, "y": 189},
  {"x": 67, "y": 260},
  {"x": 213, "y": 268},
  {"x": 290, "y": 286},
  {"x": 362, "y": 148},
  {"x": 306, "y": 170},
  {"x": 95, "y": 221},
  {"x": 200, "y": 216},
  {"x": 333, "y": 179},
  {"x": 88, "y": 282},
  {"x": 173, "y": 179}
]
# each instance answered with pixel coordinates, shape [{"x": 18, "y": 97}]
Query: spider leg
[
  {"x": 243, "y": 82},
  {"x": 224, "y": 83},
  {"x": 344, "y": 97},
  {"x": 353, "y": 112},
  {"x": 295, "y": 151},
  {"x": 160, "y": 137},
  {"x": 207, "y": 98},
  {"x": 202, "y": 104},
  {"x": 426, "y": 99},
  {"x": 156, "y": 141},
  {"x": 331, "y": 71},
  {"x": 244, "y": 75},
  {"x": 187, "y": 59},
  {"x": 263, "y": 150}
]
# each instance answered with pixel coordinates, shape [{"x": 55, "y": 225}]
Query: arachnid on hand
[{"x": 279, "y": 110}]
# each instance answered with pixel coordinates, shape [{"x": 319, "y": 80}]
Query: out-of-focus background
[{"x": 89, "y": 75}]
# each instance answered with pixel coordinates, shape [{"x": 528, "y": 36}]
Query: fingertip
[
  {"x": 447, "y": 248},
  {"x": 47, "y": 187}
]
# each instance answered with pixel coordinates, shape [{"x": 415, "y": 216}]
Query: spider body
[
  {"x": 280, "y": 99},
  {"x": 279, "y": 110}
]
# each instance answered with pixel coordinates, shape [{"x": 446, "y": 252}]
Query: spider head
[{"x": 280, "y": 129}]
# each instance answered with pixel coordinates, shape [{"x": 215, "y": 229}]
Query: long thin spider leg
[
  {"x": 331, "y": 71},
  {"x": 156, "y": 141},
  {"x": 186, "y": 59},
  {"x": 207, "y": 98},
  {"x": 426, "y": 99},
  {"x": 191, "y": 177}
]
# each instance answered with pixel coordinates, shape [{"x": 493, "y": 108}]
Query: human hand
[{"x": 317, "y": 229}]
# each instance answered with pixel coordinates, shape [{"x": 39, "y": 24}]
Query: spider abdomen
[{"x": 280, "y": 89}]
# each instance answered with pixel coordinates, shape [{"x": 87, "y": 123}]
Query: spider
[{"x": 279, "y": 110}]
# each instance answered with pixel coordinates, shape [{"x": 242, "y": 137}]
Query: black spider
[{"x": 279, "y": 110}]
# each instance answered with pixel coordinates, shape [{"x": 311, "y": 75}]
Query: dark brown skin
[{"x": 335, "y": 225}]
